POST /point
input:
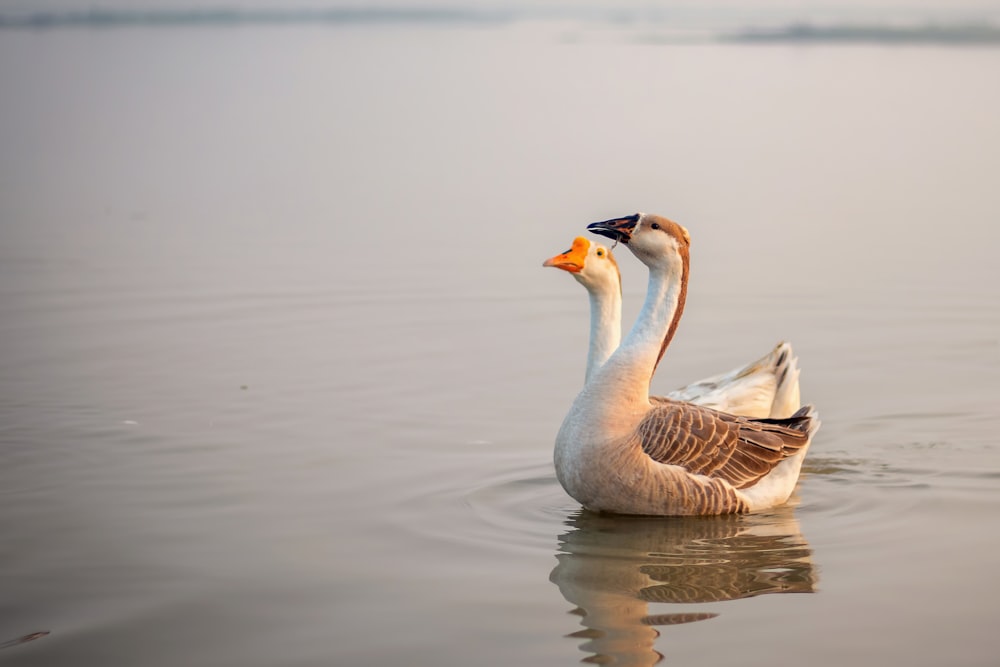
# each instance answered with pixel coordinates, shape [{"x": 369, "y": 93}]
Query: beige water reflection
[{"x": 612, "y": 568}]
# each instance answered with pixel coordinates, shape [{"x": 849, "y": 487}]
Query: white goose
[
  {"x": 767, "y": 387},
  {"x": 617, "y": 451}
]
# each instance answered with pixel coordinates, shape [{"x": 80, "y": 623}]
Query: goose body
[
  {"x": 766, "y": 387},
  {"x": 619, "y": 451}
]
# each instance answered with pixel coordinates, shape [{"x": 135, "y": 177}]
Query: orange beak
[{"x": 573, "y": 259}]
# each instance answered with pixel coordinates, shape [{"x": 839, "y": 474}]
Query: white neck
[
  {"x": 605, "y": 327},
  {"x": 627, "y": 374}
]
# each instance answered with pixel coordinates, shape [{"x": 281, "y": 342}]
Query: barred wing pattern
[{"x": 719, "y": 445}]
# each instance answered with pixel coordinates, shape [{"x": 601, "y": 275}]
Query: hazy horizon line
[{"x": 930, "y": 31}]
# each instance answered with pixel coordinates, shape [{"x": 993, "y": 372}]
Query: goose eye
[
  {"x": 655, "y": 225},
  {"x": 600, "y": 253}
]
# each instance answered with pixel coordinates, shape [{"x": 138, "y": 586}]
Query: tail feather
[
  {"x": 805, "y": 420},
  {"x": 766, "y": 387},
  {"x": 786, "y": 370}
]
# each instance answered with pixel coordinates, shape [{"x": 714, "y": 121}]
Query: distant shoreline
[
  {"x": 925, "y": 34},
  {"x": 110, "y": 18},
  {"x": 967, "y": 33}
]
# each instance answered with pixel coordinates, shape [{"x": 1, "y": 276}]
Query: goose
[
  {"x": 618, "y": 452},
  {"x": 767, "y": 387}
]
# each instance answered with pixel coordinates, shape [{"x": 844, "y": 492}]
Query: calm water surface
[{"x": 280, "y": 370}]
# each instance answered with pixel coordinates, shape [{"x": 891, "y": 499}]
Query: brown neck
[{"x": 681, "y": 299}]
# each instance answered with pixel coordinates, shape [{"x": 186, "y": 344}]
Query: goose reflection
[{"x": 612, "y": 567}]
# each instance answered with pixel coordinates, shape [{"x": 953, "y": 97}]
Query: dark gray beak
[{"x": 619, "y": 229}]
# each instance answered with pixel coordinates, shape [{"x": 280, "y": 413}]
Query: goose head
[
  {"x": 653, "y": 239},
  {"x": 590, "y": 263}
]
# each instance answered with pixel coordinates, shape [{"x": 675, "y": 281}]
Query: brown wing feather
[{"x": 708, "y": 442}]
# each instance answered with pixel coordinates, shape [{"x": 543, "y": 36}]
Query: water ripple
[{"x": 518, "y": 506}]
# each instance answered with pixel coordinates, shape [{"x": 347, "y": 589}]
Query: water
[{"x": 281, "y": 370}]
